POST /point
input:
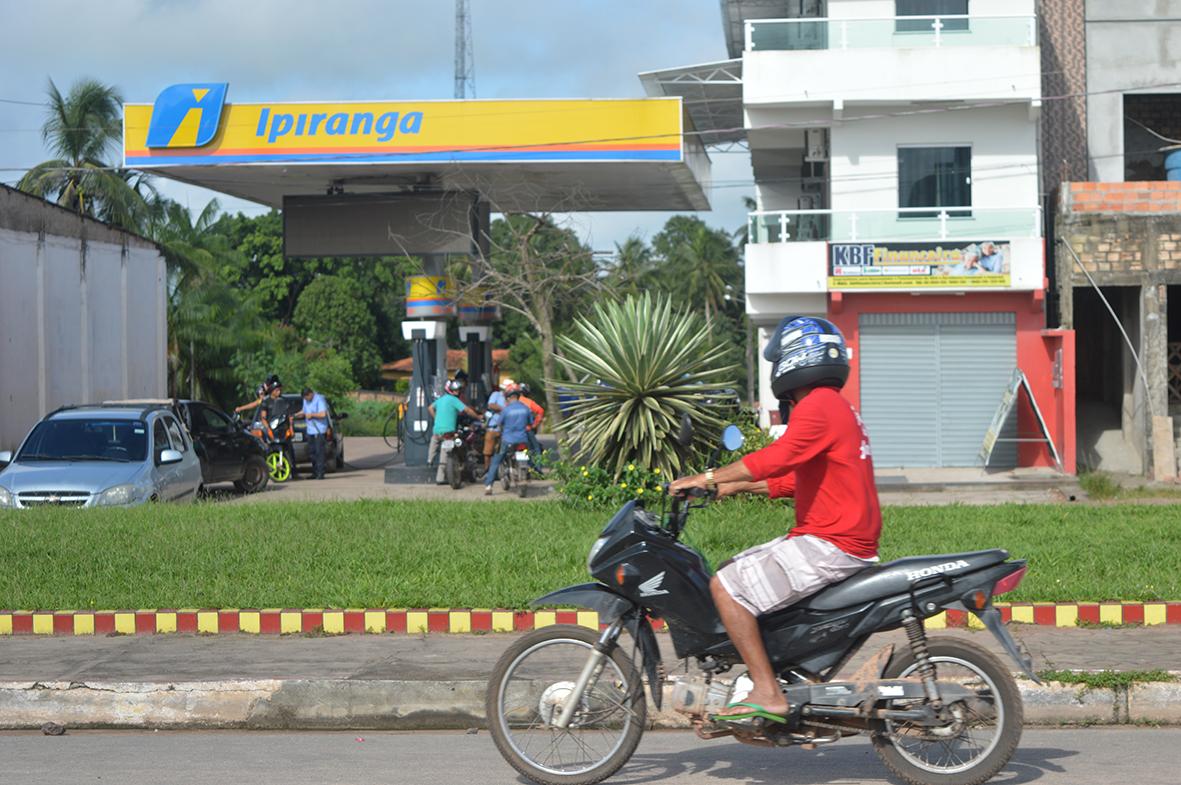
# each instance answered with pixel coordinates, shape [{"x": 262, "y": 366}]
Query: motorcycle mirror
[
  {"x": 685, "y": 433},
  {"x": 732, "y": 437}
]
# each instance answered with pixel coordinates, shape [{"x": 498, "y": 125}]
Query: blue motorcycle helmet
[{"x": 806, "y": 351}]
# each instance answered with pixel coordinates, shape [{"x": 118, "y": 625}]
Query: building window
[
  {"x": 928, "y": 8},
  {"x": 935, "y": 177}
]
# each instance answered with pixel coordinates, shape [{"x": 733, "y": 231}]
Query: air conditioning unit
[{"x": 815, "y": 144}]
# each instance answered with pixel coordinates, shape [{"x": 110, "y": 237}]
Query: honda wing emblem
[{"x": 651, "y": 587}]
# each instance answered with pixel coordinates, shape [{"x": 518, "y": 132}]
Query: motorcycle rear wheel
[
  {"x": 988, "y": 732},
  {"x": 454, "y": 472},
  {"x": 526, "y": 693}
]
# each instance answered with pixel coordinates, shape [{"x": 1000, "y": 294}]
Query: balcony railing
[
  {"x": 903, "y": 32},
  {"x": 903, "y": 224}
]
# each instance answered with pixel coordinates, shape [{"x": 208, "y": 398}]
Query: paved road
[
  {"x": 1093, "y": 756},
  {"x": 364, "y": 478}
]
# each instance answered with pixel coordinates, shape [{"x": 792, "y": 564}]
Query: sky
[{"x": 288, "y": 50}]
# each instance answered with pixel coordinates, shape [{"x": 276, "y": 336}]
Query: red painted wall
[{"x": 1036, "y": 349}]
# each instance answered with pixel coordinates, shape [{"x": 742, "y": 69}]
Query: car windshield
[{"x": 86, "y": 440}]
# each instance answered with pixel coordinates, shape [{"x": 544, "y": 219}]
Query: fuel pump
[
  {"x": 429, "y": 350},
  {"x": 478, "y": 341}
]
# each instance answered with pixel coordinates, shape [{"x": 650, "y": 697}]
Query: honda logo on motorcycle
[
  {"x": 651, "y": 587},
  {"x": 951, "y": 566}
]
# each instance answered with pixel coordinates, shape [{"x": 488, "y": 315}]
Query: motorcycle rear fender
[
  {"x": 991, "y": 616},
  {"x": 612, "y": 607}
]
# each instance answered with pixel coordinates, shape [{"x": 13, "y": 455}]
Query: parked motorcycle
[
  {"x": 463, "y": 454},
  {"x": 277, "y": 433},
  {"x": 514, "y": 470},
  {"x": 566, "y": 705}
]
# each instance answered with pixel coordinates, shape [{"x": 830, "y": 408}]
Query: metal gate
[{"x": 931, "y": 382}]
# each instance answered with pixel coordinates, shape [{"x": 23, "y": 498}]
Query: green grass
[
  {"x": 1105, "y": 679},
  {"x": 366, "y": 418},
  {"x": 1103, "y": 487},
  {"x": 433, "y": 554}
]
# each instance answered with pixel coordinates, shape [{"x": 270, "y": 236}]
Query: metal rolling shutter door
[
  {"x": 898, "y": 373},
  {"x": 930, "y": 384},
  {"x": 976, "y": 362}
]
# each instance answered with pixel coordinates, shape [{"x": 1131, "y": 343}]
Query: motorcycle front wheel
[
  {"x": 278, "y": 466},
  {"x": 528, "y": 691},
  {"x": 982, "y": 732}
]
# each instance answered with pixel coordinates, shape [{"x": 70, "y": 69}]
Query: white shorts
[{"x": 779, "y": 573}]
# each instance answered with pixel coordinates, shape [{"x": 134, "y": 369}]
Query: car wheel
[{"x": 254, "y": 476}]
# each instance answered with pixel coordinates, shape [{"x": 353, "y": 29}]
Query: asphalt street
[{"x": 1088, "y": 756}]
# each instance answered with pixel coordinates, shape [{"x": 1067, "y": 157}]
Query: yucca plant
[{"x": 643, "y": 363}]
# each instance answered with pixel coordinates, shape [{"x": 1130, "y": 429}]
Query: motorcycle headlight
[
  {"x": 118, "y": 495},
  {"x": 594, "y": 551},
  {"x": 6, "y": 498},
  {"x": 275, "y": 423}
]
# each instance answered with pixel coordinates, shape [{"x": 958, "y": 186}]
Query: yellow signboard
[
  {"x": 187, "y": 126},
  {"x": 895, "y": 265}
]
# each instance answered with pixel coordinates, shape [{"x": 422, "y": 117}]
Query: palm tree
[
  {"x": 633, "y": 266},
  {"x": 700, "y": 265},
  {"x": 207, "y": 318},
  {"x": 83, "y": 128}
]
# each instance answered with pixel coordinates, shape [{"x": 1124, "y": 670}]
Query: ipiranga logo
[{"x": 187, "y": 115}]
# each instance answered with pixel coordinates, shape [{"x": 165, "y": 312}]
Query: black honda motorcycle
[{"x": 566, "y": 705}]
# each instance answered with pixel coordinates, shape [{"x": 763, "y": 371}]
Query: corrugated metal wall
[
  {"x": 77, "y": 326},
  {"x": 930, "y": 384}
]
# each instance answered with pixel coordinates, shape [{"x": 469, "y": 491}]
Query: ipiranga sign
[{"x": 193, "y": 125}]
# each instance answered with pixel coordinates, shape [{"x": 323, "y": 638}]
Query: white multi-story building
[{"x": 895, "y": 152}]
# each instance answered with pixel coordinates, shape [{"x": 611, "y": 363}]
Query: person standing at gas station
[
  {"x": 446, "y": 411},
  {"x": 531, "y": 432},
  {"x": 496, "y": 403}
]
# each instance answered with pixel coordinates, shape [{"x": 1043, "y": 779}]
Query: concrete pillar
[{"x": 1154, "y": 355}]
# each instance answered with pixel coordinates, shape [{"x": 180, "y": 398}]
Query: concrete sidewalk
[{"x": 438, "y": 681}]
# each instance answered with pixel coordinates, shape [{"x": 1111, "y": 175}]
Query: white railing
[
  {"x": 909, "y": 224},
  {"x": 890, "y": 32}
]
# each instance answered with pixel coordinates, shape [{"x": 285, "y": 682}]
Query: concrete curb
[
  {"x": 432, "y": 705},
  {"x": 281, "y": 621}
]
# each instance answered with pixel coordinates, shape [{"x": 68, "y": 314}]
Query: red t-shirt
[{"x": 824, "y": 461}]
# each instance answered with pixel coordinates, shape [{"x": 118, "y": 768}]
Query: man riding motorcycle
[{"x": 824, "y": 461}]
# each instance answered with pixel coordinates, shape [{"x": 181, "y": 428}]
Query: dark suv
[{"x": 228, "y": 453}]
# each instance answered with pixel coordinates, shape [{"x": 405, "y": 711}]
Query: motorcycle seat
[{"x": 884, "y": 580}]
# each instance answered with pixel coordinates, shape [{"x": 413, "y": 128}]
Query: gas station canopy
[{"x": 520, "y": 155}]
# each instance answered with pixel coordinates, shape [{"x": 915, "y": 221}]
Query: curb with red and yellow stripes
[{"x": 277, "y": 621}]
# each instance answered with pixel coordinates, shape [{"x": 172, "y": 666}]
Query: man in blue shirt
[
  {"x": 515, "y": 421},
  {"x": 315, "y": 411},
  {"x": 496, "y": 403},
  {"x": 446, "y": 410}
]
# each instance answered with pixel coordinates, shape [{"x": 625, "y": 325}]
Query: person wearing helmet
[
  {"x": 261, "y": 393},
  {"x": 824, "y": 461},
  {"x": 515, "y": 422},
  {"x": 496, "y": 402},
  {"x": 446, "y": 410},
  {"x": 531, "y": 431}
]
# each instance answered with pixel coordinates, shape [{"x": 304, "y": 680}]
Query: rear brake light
[{"x": 1009, "y": 582}]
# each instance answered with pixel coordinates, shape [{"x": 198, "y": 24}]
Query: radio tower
[{"x": 465, "y": 61}]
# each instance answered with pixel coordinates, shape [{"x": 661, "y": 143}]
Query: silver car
[{"x": 98, "y": 456}]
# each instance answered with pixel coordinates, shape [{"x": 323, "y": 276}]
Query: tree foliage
[
  {"x": 332, "y": 313},
  {"x": 83, "y": 128}
]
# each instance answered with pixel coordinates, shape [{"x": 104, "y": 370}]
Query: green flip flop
[{"x": 759, "y": 711}]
